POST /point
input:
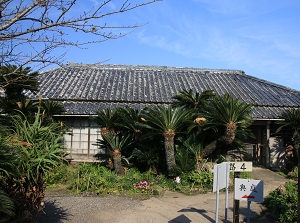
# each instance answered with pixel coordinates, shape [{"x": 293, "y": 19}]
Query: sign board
[
  {"x": 240, "y": 166},
  {"x": 220, "y": 176},
  {"x": 249, "y": 190},
  {"x": 221, "y": 180}
]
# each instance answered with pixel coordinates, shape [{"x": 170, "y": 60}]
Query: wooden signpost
[
  {"x": 221, "y": 180},
  {"x": 237, "y": 168},
  {"x": 249, "y": 190}
]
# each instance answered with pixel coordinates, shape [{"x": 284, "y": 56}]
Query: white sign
[
  {"x": 221, "y": 178},
  {"x": 240, "y": 166},
  {"x": 249, "y": 190}
]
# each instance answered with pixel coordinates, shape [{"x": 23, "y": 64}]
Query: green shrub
[
  {"x": 93, "y": 177},
  {"x": 202, "y": 179},
  {"x": 98, "y": 179},
  {"x": 7, "y": 208},
  {"x": 245, "y": 175},
  {"x": 293, "y": 175},
  {"x": 60, "y": 175},
  {"x": 193, "y": 182},
  {"x": 38, "y": 148},
  {"x": 283, "y": 204},
  {"x": 89, "y": 177}
]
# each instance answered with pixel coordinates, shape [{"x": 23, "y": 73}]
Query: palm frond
[
  {"x": 7, "y": 208},
  {"x": 130, "y": 120},
  {"x": 107, "y": 118},
  {"x": 227, "y": 109},
  {"x": 14, "y": 80},
  {"x": 52, "y": 107},
  {"x": 192, "y": 100},
  {"x": 162, "y": 119},
  {"x": 291, "y": 120},
  {"x": 117, "y": 142}
]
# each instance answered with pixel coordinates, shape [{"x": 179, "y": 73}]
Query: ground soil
[{"x": 171, "y": 207}]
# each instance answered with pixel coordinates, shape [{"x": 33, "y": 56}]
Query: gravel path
[
  {"x": 172, "y": 207},
  {"x": 78, "y": 209}
]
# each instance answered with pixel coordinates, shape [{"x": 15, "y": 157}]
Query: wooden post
[{"x": 236, "y": 205}]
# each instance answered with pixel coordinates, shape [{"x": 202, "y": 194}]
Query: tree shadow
[
  {"x": 180, "y": 219},
  {"x": 52, "y": 213},
  {"x": 242, "y": 215},
  {"x": 183, "y": 219}
]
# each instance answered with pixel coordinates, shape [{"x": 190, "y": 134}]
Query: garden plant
[{"x": 31, "y": 146}]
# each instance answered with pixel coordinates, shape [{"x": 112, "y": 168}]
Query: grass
[
  {"x": 91, "y": 178},
  {"x": 94, "y": 179}
]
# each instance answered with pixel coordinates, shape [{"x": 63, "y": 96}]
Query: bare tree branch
[
  {"x": 44, "y": 26},
  {"x": 17, "y": 17}
]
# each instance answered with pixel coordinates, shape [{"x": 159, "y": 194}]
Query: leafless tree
[{"x": 45, "y": 26}]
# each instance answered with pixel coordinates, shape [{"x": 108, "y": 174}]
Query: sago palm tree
[
  {"x": 194, "y": 145},
  {"x": 167, "y": 122},
  {"x": 22, "y": 105},
  {"x": 192, "y": 100},
  {"x": 228, "y": 114},
  {"x": 291, "y": 120},
  {"x": 107, "y": 120},
  {"x": 146, "y": 158},
  {"x": 116, "y": 143},
  {"x": 130, "y": 121},
  {"x": 52, "y": 107},
  {"x": 14, "y": 80}
]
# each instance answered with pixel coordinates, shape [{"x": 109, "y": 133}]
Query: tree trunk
[
  {"x": 117, "y": 162},
  {"x": 105, "y": 132},
  {"x": 228, "y": 138},
  {"x": 170, "y": 154},
  {"x": 207, "y": 150},
  {"x": 230, "y": 133}
]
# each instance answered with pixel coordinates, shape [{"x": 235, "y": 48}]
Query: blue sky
[{"x": 260, "y": 37}]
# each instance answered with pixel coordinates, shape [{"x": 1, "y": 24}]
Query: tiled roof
[{"x": 84, "y": 89}]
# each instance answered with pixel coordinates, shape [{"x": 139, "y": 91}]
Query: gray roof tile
[{"x": 84, "y": 89}]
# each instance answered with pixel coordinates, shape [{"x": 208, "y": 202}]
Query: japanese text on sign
[
  {"x": 240, "y": 166},
  {"x": 249, "y": 190}
]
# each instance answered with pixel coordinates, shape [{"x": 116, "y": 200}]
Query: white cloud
[
  {"x": 226, "y": 7},
  {"x": 249, "y": 36},
  {"x": 163, "y": 43}
]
